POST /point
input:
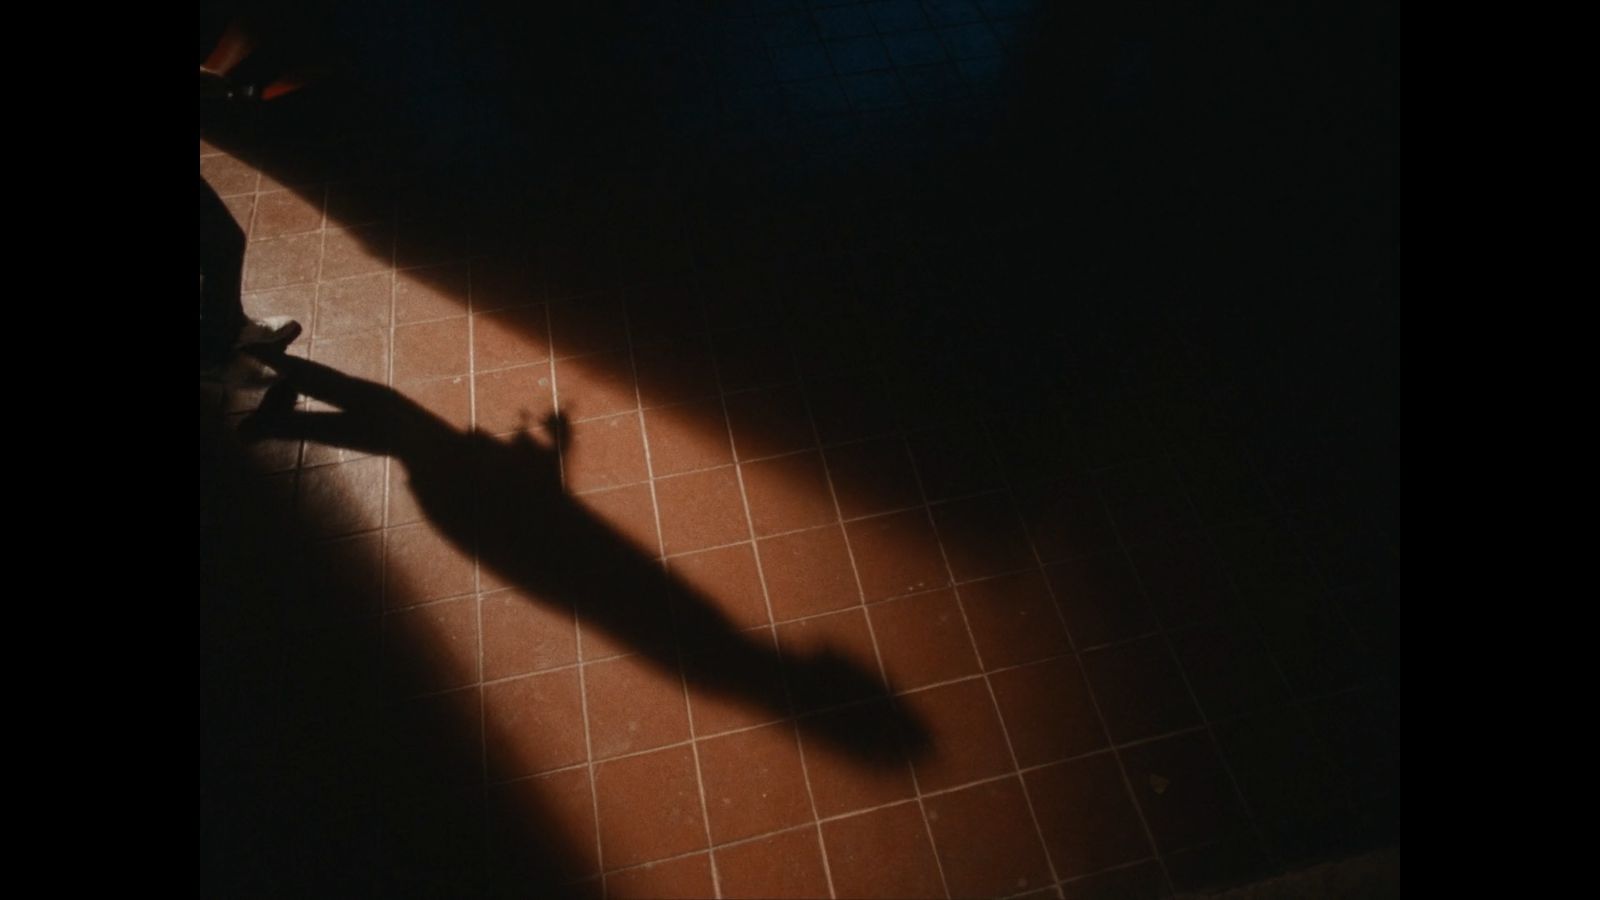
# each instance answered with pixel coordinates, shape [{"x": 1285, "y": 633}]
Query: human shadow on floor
[{"x": 504, "y": 500}]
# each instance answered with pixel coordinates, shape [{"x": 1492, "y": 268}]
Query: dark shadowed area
[{"x": 805, "y": 448}]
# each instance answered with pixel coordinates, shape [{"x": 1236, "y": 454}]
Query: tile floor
[{"x": 833, "y": 600}]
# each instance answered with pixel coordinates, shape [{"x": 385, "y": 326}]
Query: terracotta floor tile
[
  {"x": 872, "y": 476},
  {"x": 551, "y": 816},
  {"x": 896, "y": 554},
  {"x": 364, "y": 356},
  {"x": 1184, "y": 791},
  {"x": 664, "y": 312},
  {"x": 1047, "y": 711},
  {"x": 534, "y": 724},
  {"x": 770, "y": 421},
  {"x": 421, "y": 565},
  {"x": 448, "y": 398},
  {"x": 511, "y": 399},
  {"x": 1088, "y": 820},
  {"x": 282, "y": 261},
  {"x": 1036, "y": 447},
  {"x": 509, "y": 337},
  {"x": 432, "y": 744},
  {"x": 344, "y": 498},
  {"x": 687, "y": 877},
  {"x": 522, "y": 634},
  {"x": 1219, "y": 477},
  {"x": 270, "y": 455},
  {"x": 337, "y": 670},
  {"x": 923, "y": 639},
  {"x": 583, "y": 263},
  {"x": 1313, "y": 644},
  {"x": 1140, "y": 689},
  {"x": 676, "y": 372},
  {"x": 808, "y": 572},
  {"x": 687, "y": 437},
  {"x": 928, "y": 396},
  {"x": 430, "y": 350},
  {"x": 783, "y": 865},
  {"x": 633, "y": 705},
  {"x": 1235, "y": 860},
  {"x": 788, "y": 493},
  {"x": 243, "y": 210},
  {"x": 346, "y": 575},
  {"x": 954, "y": 461},
  {"x": 1229, "y": 671},
  {"x": 968, "y": 743},
  {"x": 631, "y": 513},
  {"x": 1100, "y": 599},
  {"x": 883, "y": 853},
  {"x": 1183, "y": 580},
  {"x": 354, "y": 305},
  {"x": 356, "y": 251},
  {"x": 404, "y": 506},
  {"x": 1066, "y": 519},
  {"x": 228, "y": 176},
  {"x": 307, "y": 167},
  {"x": 1116, "y": 435},
  {"x": 605, "y": 453},
  {"x": 585, "y": 325},
  {"x": 700, "y": 510},
  {"x": 808, "y": 642},
  {"x": 725, "y": 577},
  {"x": 1013, "y": 619},
  {"x": 505, "y": 280},
  {"x": 737, "y": 296},
  {"x": 751, "y": 357},
  {"x": 840, "y": 782},
  {"x": 1262, "y": 554},
  {"x": 735, "y": 699},
  {"x": 1360, "y": 731},
  {"x": 754, "y": 782},
  {"x": 1143, "y": 881},
  {"x": 850, "y": 407},
  {"x": 653, "y": 619},
  {"x": 982, "y": 536},
  {"x": 590, "y": 387},
  {"x": 1284, "y": 771},
  {"x": 286, "y": 212},
  {"x": 432, "y": 844},
  {"x": 295, "y": 301},
  {"x": 1146, "y": 501},
  {"x": 649, "y": 807},
  {"x": 432, "y": 238},
  {"x": 986, "y": 841},
  {"x": 433, "y": 647},
  {"x": 360, "y": 201}
]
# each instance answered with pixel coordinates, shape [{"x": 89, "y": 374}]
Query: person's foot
[
  {"x": 238, "y": 371},
  {"x": 278, "y": 402},
  {"x": 267, "y": 336}
]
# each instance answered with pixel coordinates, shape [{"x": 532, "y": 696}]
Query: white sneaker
[{"x": 277, "y": 332}]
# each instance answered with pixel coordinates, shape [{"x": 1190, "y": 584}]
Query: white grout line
[
  {"x": 994, "y": 702},
  {"x": 683, "y": 680},
  {"x": 477, "y": 567},
  {"x": 761, "y": 577},
  {"x": 854, "y": 704},
  {"x": 589, "y": 763},
  {"x": 1094, "y": 701},
  {"x": 1183, "y": 674}
]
